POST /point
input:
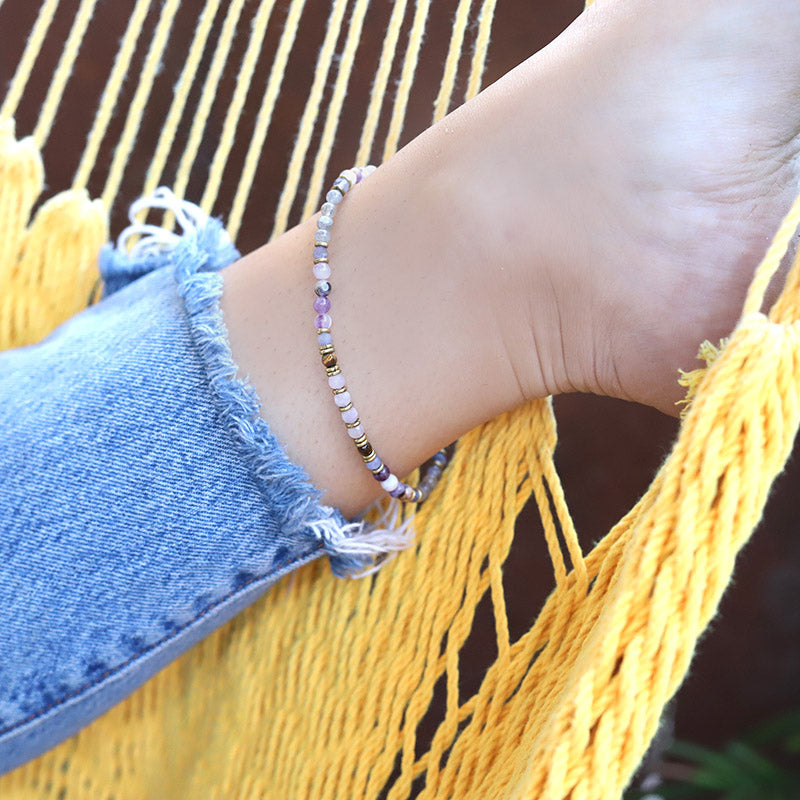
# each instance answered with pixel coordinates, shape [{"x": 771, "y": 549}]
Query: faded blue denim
[{"x": 143, "y": 501}]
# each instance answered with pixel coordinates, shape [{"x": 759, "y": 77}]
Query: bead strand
[{"x": 322, "y": 306}]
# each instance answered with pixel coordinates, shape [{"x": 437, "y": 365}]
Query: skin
[{"x": 580, "y": 225}]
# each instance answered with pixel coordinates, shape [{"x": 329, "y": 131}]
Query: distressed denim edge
[
  {"x": 356, "y": 548},
  {"x": 351, "y": 546}
]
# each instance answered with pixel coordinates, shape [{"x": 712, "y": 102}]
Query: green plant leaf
[
  {"x": 792, "y": 743},
  {"x": 714, "y": 770},
  {"x": 780, "y": 728},
  {"x": 743, "y": 770},
  {"x": 754, "y": 764}
]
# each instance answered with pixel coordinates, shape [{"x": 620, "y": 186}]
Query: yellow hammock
[{"x": 281, "y": 694}]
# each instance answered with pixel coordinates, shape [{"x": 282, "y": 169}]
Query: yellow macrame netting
[{"x": 317, "y": 689}]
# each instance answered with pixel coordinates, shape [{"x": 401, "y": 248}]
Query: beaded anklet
[{"x": 322, "y": 305}]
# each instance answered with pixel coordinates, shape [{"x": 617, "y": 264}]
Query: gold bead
[
  {"x": 333, "y": 371},
  {"x": 362, "y": 440},
  {"x": 368, "y": 456},
  {"x": 325, "y": 349},
  {"x": 319, "y": 244},
  {"x": 353, "y": 424},
  {"x": 346, "y": 408},
  {"x": 339, "y": 391},
  {"x": 321, "y": 259},
  {"x": 323, "y": 330}
]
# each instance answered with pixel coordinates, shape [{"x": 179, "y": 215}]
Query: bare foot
[
  {"x": 681, "y": 123},
  {"x": 705, "y": 101}
]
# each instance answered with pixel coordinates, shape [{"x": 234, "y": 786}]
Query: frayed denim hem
[
  {"x": 283, "y": 483},
  {"x": 354, "y": 548}
]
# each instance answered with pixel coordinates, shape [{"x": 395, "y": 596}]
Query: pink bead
[
  {"x": 356, "y": 432},
  {"x": 342, "y": 399},
  {"x": 336, "y": 381},
  {"x": 322, "y": 270},
  {"x": 351, "y": 415}
]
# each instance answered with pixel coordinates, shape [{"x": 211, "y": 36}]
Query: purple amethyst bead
[
  {"x": 357, "y": 171},
  {"x": 322, "y": 304},
  {"x": 383, "y": 474},
  {"x": 322, "y": 271},
  {"x": 322, "y": 321}
]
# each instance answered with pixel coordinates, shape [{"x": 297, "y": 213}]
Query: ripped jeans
[{"x": 143, "y": 501}]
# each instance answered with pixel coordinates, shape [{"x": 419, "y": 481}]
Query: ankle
[{"x": 532, "y": 184}]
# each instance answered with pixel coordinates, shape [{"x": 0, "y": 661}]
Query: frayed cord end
[
  {"x": 361, "y": 548},
  {"x": 120, "y": 264},
  {"x": 692, "y": 379},
  {"x": 154, "y": 239}
]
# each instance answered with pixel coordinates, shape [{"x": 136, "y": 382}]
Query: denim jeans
[{"x": 143, "y": 500}]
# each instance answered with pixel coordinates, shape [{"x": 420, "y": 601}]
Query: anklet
[{"x": 322, "y": 305}]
